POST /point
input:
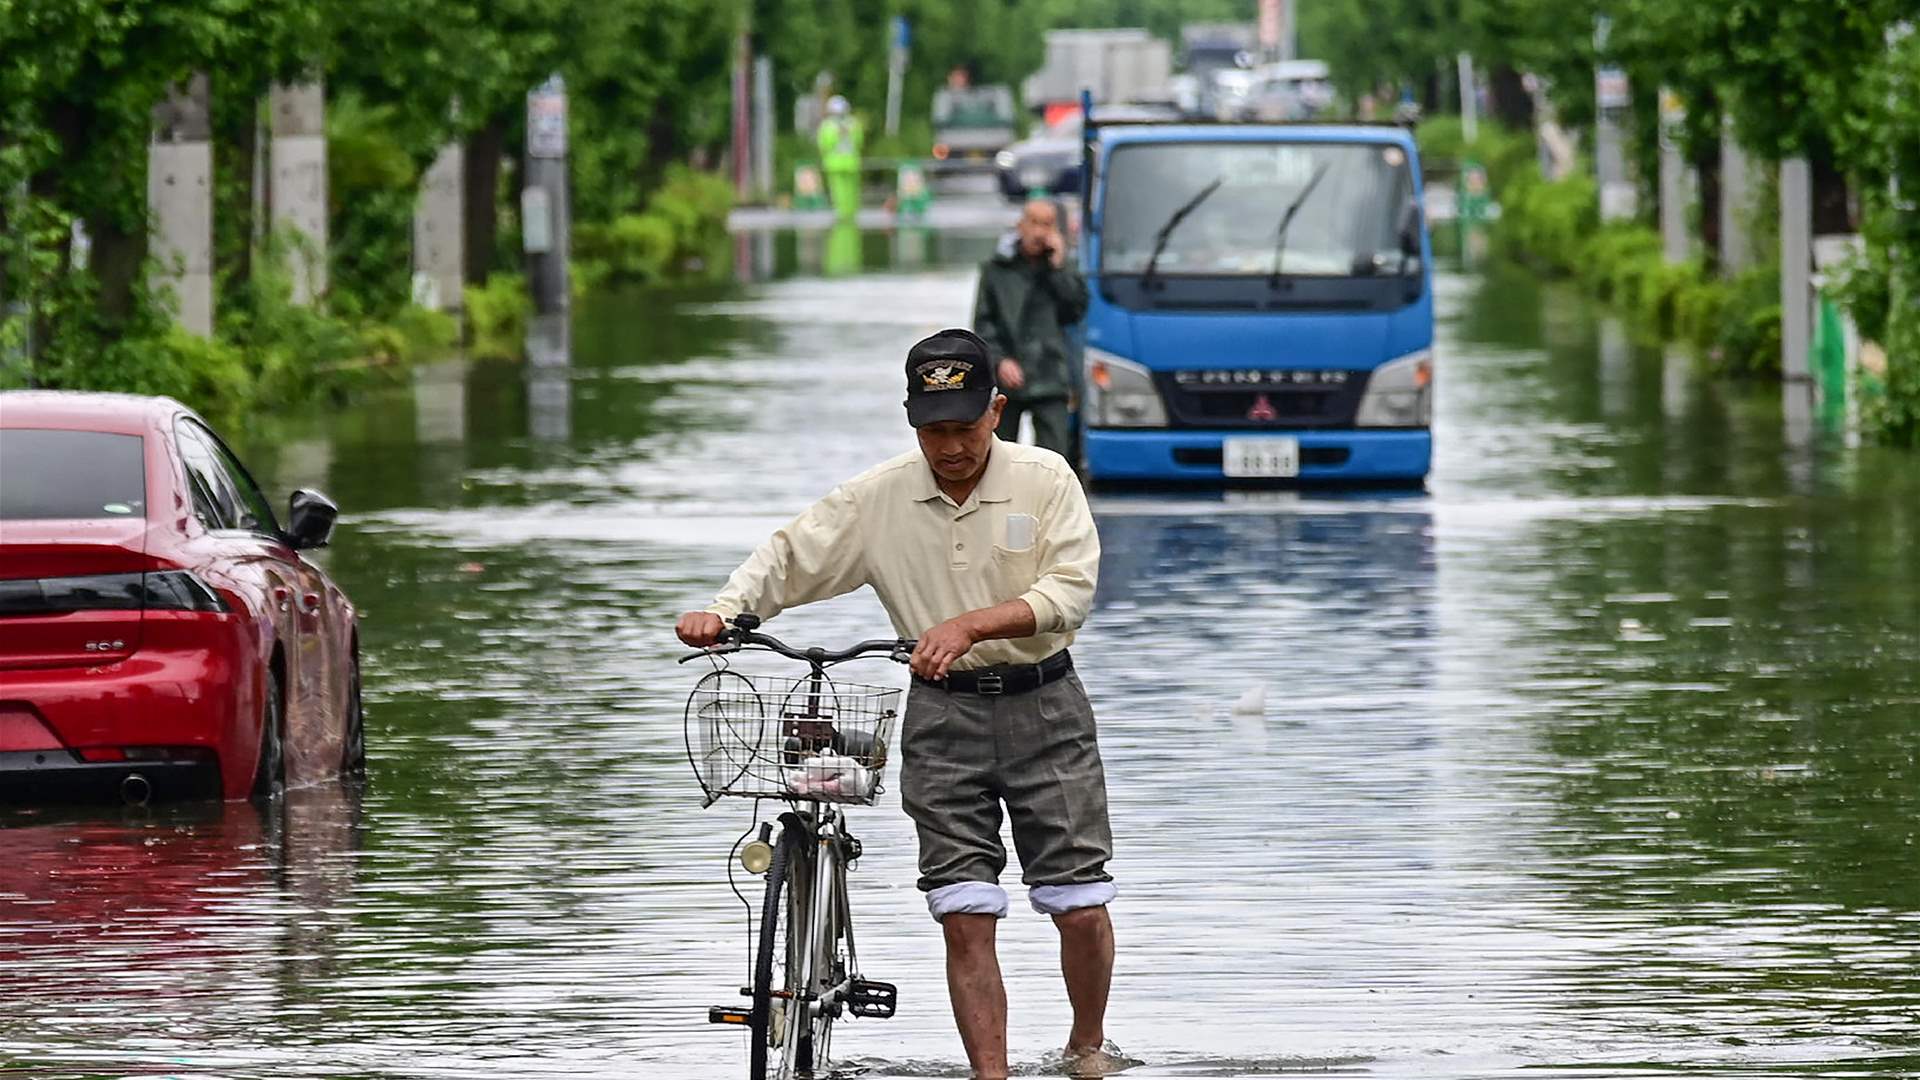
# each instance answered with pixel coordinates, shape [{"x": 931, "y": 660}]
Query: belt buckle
[{"x": 990, "y": 682}]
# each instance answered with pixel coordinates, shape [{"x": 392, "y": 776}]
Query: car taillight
[{"x": 162, "y": 590}]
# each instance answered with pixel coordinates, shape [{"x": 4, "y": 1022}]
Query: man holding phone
[
  {"x": 1028, "y": 296},
  {"x": 986, "y": 553}
]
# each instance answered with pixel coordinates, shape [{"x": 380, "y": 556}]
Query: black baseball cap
[{"x": 949, "y": 377}]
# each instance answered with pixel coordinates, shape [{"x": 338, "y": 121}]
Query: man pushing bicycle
[{"x": 986, "y": 553}]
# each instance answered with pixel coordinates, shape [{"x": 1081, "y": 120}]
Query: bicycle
[{"x": 817, "y": 745}]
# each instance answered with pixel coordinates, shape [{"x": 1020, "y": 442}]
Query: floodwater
[{"x": 1597, "y": 760}]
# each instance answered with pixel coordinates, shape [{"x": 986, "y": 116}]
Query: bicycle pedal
[
  {"x": 726, "y": 1014},
  {"x": 876, "y": 999}
]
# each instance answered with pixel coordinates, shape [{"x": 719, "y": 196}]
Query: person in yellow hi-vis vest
[{"x": 840, "y": 139}]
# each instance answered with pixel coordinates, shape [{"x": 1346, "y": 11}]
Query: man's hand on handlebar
[
  {"x": 701, "y": 629},
  {"x": 939, "y": 647}
]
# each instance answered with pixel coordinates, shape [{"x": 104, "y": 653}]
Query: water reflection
[
  {"x": 213, "y": 926},
  {"x": 1597, "y": 761}
]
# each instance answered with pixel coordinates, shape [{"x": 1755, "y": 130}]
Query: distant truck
[
  {"x": 971, "y": 124},
  {"x": 1262, "y": 305},
  {"x": 1207, "y": 50},
  {"x": 1118, "y": 66}
]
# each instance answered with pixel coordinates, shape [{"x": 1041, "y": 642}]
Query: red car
[{"x": 161, "y": 633}]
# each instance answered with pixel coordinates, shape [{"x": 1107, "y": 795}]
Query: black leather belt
[{"x": 1005, "y": 678}]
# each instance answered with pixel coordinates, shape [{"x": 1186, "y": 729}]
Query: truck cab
[{"x": 1262, "y": 305}]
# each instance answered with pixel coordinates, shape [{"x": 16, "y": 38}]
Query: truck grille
[{"x": 1262, "y": 398}]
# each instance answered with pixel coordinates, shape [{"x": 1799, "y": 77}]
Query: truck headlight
[
  {"x": 1399, "y": 393},
  {"x": 1120, "y": 393},
  {"x": 1005, "y": 159}
]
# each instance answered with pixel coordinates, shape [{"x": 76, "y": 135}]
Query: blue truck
[{"x": 1262, "y": 305}]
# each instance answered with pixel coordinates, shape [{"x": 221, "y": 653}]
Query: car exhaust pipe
[{"x": 135, "y": 790}]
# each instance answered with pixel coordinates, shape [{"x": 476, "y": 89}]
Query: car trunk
[{"x": 71, "y": 592}]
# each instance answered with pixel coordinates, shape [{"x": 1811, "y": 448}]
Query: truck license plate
[{"x": 1268, "y": 457}]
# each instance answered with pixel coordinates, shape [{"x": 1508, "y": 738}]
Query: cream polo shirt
[{"x": 931, "y": 560}]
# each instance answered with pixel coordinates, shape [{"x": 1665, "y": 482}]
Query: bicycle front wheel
[{"x": 778, "y": 993}]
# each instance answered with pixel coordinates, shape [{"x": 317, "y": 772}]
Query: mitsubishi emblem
[{"x": 1263, "y": 410}]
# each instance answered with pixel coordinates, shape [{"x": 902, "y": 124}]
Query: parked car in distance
[
  {"x": 1049, "y": 161},
  {"x": 970, "y": 125},
  {"x": 162, "y": 634}
]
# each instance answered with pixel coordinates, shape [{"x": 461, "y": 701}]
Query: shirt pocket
[{"x": 1011, "y": 572}]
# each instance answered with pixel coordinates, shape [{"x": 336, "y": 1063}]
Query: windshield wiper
[
  {"x": 1286, "y": 221},
  {"x": 1173, "y": 221}
]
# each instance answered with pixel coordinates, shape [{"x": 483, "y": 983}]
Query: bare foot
[{"x": 1095, "y": 1061}]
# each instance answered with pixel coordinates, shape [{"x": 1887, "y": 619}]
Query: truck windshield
[{"x": 1346, "y": 226}]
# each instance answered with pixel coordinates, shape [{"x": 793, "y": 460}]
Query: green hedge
[
  {"x": 681, "y": 234},
  {"x": 1555, "y": 226}
]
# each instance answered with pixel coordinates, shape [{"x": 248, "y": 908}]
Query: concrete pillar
[
  {"x": 1676, "y": 180},
  {"x": 1796, "y": 268},
  {"x": 297, "y": 115},
  {"x": 180, "y": 202},
  {"x": 1737, "y": 196},
  {"x": 439, "y": 232}
]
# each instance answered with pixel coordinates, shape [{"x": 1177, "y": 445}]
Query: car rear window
[{"x": 71, "y": 474}]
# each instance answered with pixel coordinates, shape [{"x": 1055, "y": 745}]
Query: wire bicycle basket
[{"x": 781, "y": 737}]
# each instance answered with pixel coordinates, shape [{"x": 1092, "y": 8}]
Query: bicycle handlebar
[{"x": 738, "y": 637}]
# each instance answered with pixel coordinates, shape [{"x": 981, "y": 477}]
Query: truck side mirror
[{"x": 1410, "y": 229}]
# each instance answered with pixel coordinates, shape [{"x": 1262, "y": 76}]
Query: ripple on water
[{"x": 1594, "y": 762}]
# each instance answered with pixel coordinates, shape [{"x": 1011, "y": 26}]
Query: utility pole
[
  {"x": 899, "y": 37},
  {"x": 742, "y": 152},
  {"x": 1612, "y": 97},
  {"x": 180, "y": 200},
  {"x": 1796, "y": 269},
  {"x": 546, "y": 223},
  {"x": 763, "y": 127},
  {"x": 1469, "y": 99},
  {"x": 1676, "y": 179},
  {"x": 299, "y": 193}
]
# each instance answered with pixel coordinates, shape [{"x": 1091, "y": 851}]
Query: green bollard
[{"x": 912, "y": 195}]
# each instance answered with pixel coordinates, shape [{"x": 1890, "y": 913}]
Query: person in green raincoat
[{"x": 840, "y": 138}]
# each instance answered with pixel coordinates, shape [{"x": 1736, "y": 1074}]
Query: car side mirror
[{"x": 310, "y": 518}]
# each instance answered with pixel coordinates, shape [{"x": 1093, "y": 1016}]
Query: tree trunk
[
  {"x": 660, "y": 144},
  {"x": 1832, "y": 203},
  {"x": 45, "y": 185},
  {"x": 236, "y": 132},
  {"x": 117, "y": 256},
  {"x": 481, "y": 181},
  {"x": 1512, "y": 106},
  {"x": 1707, "y": 166}
]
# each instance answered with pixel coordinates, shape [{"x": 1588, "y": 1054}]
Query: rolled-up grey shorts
[{"x": 963, "y": 755}]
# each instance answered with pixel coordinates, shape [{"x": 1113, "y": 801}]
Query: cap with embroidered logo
[{"x": 949, "y": 377}]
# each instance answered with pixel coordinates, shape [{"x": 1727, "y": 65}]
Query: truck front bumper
[{"x": 1357, "y": 455}]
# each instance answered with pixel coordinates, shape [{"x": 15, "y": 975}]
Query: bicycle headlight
[
  {"x": 1120, "y": 393},
  {"x": 756, "y": 856},
  {"x": 1006, "y": 159},
  {"x": 1399, "y": 393}
]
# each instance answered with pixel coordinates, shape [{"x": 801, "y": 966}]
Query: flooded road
[{"x": 1599, "y": 759}]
